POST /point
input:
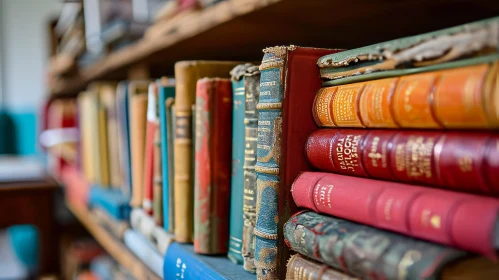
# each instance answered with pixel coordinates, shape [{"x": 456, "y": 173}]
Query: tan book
[
  {"x": 187, "y": 73},
  {"x": 138, "y": 117},
  {"x": 85, "y": 111}
]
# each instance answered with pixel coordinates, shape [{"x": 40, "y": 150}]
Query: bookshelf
[
  {"x": 240, "y": 29},
  {"x": 115, "y": 248}
]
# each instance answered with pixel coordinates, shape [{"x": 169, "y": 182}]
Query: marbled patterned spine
[
  {"x": 364, "y": 251},
  {"x": 252, "y": 91}
]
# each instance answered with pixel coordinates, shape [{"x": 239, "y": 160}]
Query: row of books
[{"x": 227, "y": 163}]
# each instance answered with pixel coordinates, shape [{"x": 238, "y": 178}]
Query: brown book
[
  {"x": 138, "y": 112},
  {"x": 301, "y": 268},
  {"x": 186, "y": 74}
]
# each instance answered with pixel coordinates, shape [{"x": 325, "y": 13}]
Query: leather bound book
[
  {"x": 412, "y": 54},
  {"x": 237, "y": 177},
  {"x": 289, "y": 79},
  {"x": 213, "y": 164},
  {"x": 459, "y": 161},
  {"x": 151, "y": 128},
  {"x": 186, "y": 75},
  {"x": 252, "y": 93},
  {"x": 302, "y": 268},
  {"x": 464, "y": 221},
  {"x": 371, "y": 253},
  {"x": 463, "y": 97},
  {"x": 138, "y": 119}
]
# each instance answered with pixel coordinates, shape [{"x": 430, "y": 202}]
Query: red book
[
  {"x": 151, "y": 128},
  {"x": 461, "y": 220},
  {"x": 462, "y": 161},
  {"x": 213, "y": 142}
]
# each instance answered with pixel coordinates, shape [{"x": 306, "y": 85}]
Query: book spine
[
  {"x": 124, "y": 152},
  {"x": 252, "y": 93},
  {"x": 138, "y": 108},
  {"x": 157, "y": 181},
  {"x": 152, "y": 125},
  {"x": 267, "y": 166},
  {"x": 453, "y": 160},
  {"x": 237, "y": 178},
  {"x": 212, "y": 165},
  {"x": 452, "y": 98},
  {"x": 109, "y": 100},
  {"x": 440, "y": 216},
  {"x": 103, "y": 150},
  {"x": 170, "y": 114},
  {"x": 301, "y": 268},
  {"x": 364, "y": 251}
]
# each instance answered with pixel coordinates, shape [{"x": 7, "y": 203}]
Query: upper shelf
[{"x": 240, "y": 29}]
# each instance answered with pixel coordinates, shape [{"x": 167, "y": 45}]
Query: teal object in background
[
  {"x": 25, "y": 240},
  {"x": 18, "y": 132}
]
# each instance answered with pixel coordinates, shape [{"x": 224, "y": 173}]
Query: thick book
[
  {"x": 461, "y": 161},
  {"x": 181, "y": 262},
  {"x": 165, "y": 101},
  {"x": 426, "y": 50},
  {"x": 463, "y": 97},
  {"x": 237, "y": 176},
  {"x": 122, "y": 110},
  {"x": 151, "y": 127},
  {"x": 145, "y": 251},
  {"x": 252, "y": 92},
  {"x": 145, "y": 224},
  {"x": 212, "y": 165},
  {"x": 186, "y": 75},
  {"x": 289, "y": 80},
  {"x": 110, "y": 200},
  {"x": 461, "y": 220},
  {"x": 302, "y": 268},
  {"x": 138, "y": 119},
  {"x": 368, "y": 252}
]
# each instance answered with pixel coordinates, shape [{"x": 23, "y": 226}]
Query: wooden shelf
[
  {"x": 240, "y": 29},
  {"x": 114, "y": 247}
]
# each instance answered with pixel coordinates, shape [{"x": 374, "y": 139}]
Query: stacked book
[{"x": 402, "y": 173}]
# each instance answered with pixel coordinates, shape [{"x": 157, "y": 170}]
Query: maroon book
[
  {"x": 213, "y": 142},
  {"x": 462, "y": 161},
  {"x": 461, "y": 220}
]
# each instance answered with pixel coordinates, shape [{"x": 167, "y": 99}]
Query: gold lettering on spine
[
  {"x": 465, "y": 163},
  {"x": 322, "y": 106},
  {"x": 374, "y": 155},
  {"x": 347, "y": 152},
  {"x": 323, "y": 195},
  {"x": 345, "y": 107},
  {"x": 429, "y": 219},
  {"x": 415, "y": 156}
]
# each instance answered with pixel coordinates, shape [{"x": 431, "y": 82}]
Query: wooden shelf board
[
  {"x": 240, "y": 29},
  {"x": 114, "y": 247}
]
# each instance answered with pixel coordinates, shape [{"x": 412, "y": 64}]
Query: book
[
  {"x": 122, "y": 110},
  {"x": 301, "y": 268},
  {"x": 368, "y": 252},
  {"x": 158, "y": 180},
  {"x": 252, "y": 92},
  {"x": 145, "y": 251},
  {"x": 435, "y": 48},
  {"x": 138, "y": 115},
  {"x": 86, "y": 109},
  {"x": 110, "y": 200},
  {"x": 462, "y": 97},
  {"x": 170, "y": 113},
  {"x": 181, "y": 262},
  {"x": 186, "y": 75},
  {"x": 461, "y": 161},
  {"x": 145, "y": 224},
  {"x": 116, "y": 227},
  {"x": 289, "y": 79},
  {"x": 459, "y": 220},
  {"x": 149, "y": 157},
  {"x": 212, "y": 165},
  {"x": 237, "y": 176},
  {"x": 166, "y": 100}
]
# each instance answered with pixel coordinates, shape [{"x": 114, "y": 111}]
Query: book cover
[
  {"x": 237, "y": 176},
  {"x": 186, "y": 75},
  {"x": 212, "y": 165},
  {"x": 458, "y": 161},
  {"x": 289, "y": 79},
  {"x": 459, "y": 220}
]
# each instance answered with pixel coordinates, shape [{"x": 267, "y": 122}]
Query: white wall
[{"x": 24, "y": 51}]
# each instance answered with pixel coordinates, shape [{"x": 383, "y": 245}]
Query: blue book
[
  {"x": 181, "y": 263},
  {"x": 110, "y": 200},
  {"x": 166, "y": 99},
  {"x": 124, "y": 136},
  {"x": 145, "y": 251}
]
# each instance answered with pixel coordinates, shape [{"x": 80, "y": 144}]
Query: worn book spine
[
  {"x": 157, "y": 181},
  {"x": 460, "y": 220},
  {"x": 237, "y": 176},
  {"x": 301, "y": 268},
  {"x": 455, "y": 160},
  {"x": 252, "y": 93},
  {"x": 212, "y": 165},
  {"x": 364, "y": 251},
  {"x": 455, "y": 98},
  {"x": 138, "y": 112},
  {"x": 152, "y": 126}
]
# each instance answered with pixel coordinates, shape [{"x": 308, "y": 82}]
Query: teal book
[
  {"x": 166, "y": 95},
  {"x": 237, "y": 180}
]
